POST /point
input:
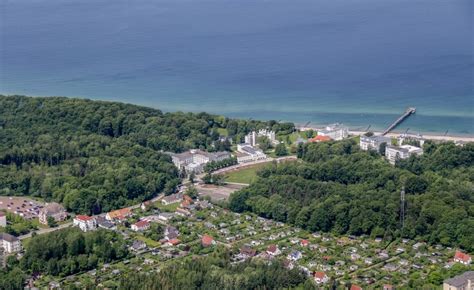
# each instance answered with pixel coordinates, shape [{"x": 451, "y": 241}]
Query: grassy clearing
[
  {"x": 167, "y": 208},
  {"x": 149, "y": 242},
  {"x": 223, "y": 132},
  {"x": 293, "y": 137},
  {"x": 245, "y": 175}
]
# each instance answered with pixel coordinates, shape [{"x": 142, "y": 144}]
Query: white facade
[
  {"x": 321, "y": 278},
  {"x": 173, "y": 198},
  {"x": 140, "y": 226},
  {"x": 406, "y": 137},
  {"x": 54, "y": 210},
  {"x": 394, "y": 153},
  {"x": 335, "y": 132},
  {"x": 464, "y": 281},
  {"x": 9, "y": 243},
  {"x": 251, "y": 138},
  {"x": 166, "y": 216},
  {"x": 3, "y": 220},
  {"x": 85, "y": 223},
  {"x": 373, "y": 142},
  {"x": 194, "y": 160},
  {"x": 267, "y": 133},
  {"x": 247, "y": 153}
]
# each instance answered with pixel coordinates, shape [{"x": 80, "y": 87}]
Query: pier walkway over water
[{"x": 408, "y": 112}]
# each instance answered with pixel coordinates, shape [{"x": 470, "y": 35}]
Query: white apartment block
[
  {"x": 251, "y": 138},
  {"x": 394, "y": 153},
  {"x": 3, "y": 220},
  {"x": 85, "y": 223},
  {"x": 247, "y": 153},
  {"x": 464, "y": 281},
  {"x": 373, "y": 142},
  {"x": 335, "y": 132},
  {"x": 194, "y": 160},
  {"x": 9, "y": 243},
  {"x": 406, "y": 137}
]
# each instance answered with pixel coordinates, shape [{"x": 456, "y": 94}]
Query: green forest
[
  {"x": 63, "y": 253},
  {"x": 217, "y": 272},
  {"x": 344, "y": 190},
  {"x": 94, "y": 156},
  {"x": 70, "y": 251}
]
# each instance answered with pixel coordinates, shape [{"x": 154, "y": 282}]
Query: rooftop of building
[
  {"x": 8, "y": 237},
  {"x": 84, "y": 218},
  {"x": 53, "y": 208},
  {"x": 320, "y": 138},
  {"x": 405, "y": 148},
  {"x": 460, "y": 280},
  {"x": 376, "y": 138},
  {"x": 192, "y": 152}
]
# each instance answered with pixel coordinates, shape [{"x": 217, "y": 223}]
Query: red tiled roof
[
  {"x": 462, "y": 256},
  {"x": 319, "y": 275},
  {"x": 272, "y": 248},
  {"x": 83, "y": 218},
  {"x": 141, "y": 224},
  {"x": 174, "y": 242},
  {"x": 207, "y": 240},
  {"x": 120, "y": 212},
  {"x": 320, "y": 138},
  {"x": 355, "y": 287},
  {"x": 183, "y": 211},
  {"x": 304, "y": 242}
]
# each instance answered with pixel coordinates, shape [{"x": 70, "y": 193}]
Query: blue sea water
[{"x": 358, "y": 62}]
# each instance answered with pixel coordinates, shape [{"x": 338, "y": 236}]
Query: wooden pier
[{"x": 408, "y": 112}]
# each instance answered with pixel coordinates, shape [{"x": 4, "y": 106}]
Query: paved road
[
  {"x": 249, "y": 164},
  {"x": 44, "y": 231},
  {"x": 220, "y": 171},
  {"x": 62, "y": 226}
]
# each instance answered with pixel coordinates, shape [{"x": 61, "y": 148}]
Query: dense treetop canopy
[
  {"x": 347, "y": 191},
  {"x": 217, "y": 272},
  {"x": 94, "y": 156}
]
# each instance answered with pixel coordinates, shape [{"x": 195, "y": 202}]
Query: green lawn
[
  {"x": 246, "y": 175},
  {"x": 167, "y": 208},
  {"x": 149, "y": 242},
  {"x": 293, "y": 137},
  {"x": 223, "y": 132}
]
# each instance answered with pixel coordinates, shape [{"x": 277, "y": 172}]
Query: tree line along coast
[{"x": 94, "y": 157}]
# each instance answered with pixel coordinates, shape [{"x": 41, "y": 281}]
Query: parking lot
[{"x": 22, "y": 206}]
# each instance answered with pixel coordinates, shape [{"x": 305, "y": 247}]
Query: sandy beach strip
[
  {"x": 453, "y": 138},
  {"x": 426, "y": 137}
]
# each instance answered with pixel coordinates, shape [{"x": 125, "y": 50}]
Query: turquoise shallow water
[{"x": 357, "y": 62}]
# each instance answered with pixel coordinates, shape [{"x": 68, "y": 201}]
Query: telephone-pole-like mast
[{"x": 402, "y": 207}]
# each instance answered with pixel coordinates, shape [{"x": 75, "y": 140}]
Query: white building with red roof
[
  {"x": 85, "y": 223},
  {"x": 119, "y": 214},
  {"x": 462, "y": 258},
  {"x": 173, "y": 242},
  {"x": 207, "y": 241},
  {"x": 320, "y": 277},
  {"x": 140, "y": 226},
  {"x": 273, "y": 250}
]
